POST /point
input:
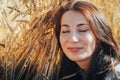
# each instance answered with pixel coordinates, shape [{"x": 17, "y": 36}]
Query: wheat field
[{"x": 25, "y": 37}]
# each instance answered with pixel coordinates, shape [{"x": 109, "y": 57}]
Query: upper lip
[{"x": 74, "y": 47}]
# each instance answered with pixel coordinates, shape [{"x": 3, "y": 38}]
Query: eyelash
[
  {"x": 78, "y": 31},
  {"x": 83, "y": 30},
  {"x": 65, "y": 31}
]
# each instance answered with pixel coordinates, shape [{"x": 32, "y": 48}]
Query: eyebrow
[{"x": 81, "y": 24}]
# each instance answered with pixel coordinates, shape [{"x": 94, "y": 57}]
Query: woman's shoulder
[
  {"x": 115, "y": 74},
  {"x": 117, "y": 69}
]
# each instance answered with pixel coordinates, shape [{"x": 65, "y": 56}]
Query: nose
[{"x": 74, "y": 38}]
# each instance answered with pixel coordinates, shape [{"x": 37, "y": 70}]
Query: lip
[{"x": 74, "y": 49}]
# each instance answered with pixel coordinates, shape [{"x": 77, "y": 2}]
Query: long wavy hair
[{"x": 106, "y": 48}]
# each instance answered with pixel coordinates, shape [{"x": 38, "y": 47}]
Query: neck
[{"x": 85, "y": 64}]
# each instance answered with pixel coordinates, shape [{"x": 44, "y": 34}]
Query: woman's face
[{"x": 76, "y": 37}]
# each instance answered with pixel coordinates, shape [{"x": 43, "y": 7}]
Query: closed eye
[
  {"x": 65, "y": 31},
  {"x": 83, "y": 30}
]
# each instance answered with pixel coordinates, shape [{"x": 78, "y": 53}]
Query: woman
[{"x": 89, "y": 51}]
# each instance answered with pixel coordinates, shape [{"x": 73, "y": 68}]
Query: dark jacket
[{"x": 81, "y": 75}]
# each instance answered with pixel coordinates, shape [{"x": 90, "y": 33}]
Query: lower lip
[{"x": 74, "y": 50}]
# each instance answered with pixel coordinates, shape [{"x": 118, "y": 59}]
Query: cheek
[
  {"x": 62, "y": 43},
  {"x": 90, "y": 38},
  {"x": 91, "y": 41},
  {"x": 62, "y": 40}
]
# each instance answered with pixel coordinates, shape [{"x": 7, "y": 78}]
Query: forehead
[{"x": 71, "y": 17}]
